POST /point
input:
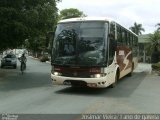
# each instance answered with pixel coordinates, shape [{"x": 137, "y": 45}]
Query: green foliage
[
  {"x": 12, "y": 29},
  {"x": 155, "y": 39},
  {"x": 158, "y": 24},
  {"x": 137, "y": 28},
  {"x": 44, "y": 58},
  {"x": 30, "y": 20},
  {"x": 156, "y": 67},
  {"x": 71, "y": 13},
  {"x": 154, "y": 42},
  {"x": 153, "y": 47},
  {"x": 41, "y": 17}
]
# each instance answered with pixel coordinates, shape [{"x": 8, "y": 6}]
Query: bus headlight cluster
[
  {"x": 57, "y": 73},
  {"x": 97, "y": 75}
]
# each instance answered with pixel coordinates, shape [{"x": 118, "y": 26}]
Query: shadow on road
[
  {"x": 18, "y": 81},
  {"x": 124, "y": 88},
  {"x": 4, "y": 69},
  {"x": 40, "y": 77},
  {"x": 37, "y": 74}
]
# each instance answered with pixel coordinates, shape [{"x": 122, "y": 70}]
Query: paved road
[{"x": 33, "y": 92}]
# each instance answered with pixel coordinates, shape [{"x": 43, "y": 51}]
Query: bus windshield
[{"x": 79, "y": 44}]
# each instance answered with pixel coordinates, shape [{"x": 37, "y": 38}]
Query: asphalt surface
[{"x": 33, "y": 93}]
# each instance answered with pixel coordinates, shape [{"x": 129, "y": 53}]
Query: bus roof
[
  {"x": 80, "y": 19},
  {"x": 86, "y": 19}
]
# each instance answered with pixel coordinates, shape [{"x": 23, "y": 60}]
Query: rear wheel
[
  {"x": 116, "y": 80},
  {"x": 131, "y": 73}
]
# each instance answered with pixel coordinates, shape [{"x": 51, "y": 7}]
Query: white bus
[{"x": 93, "y": 52}]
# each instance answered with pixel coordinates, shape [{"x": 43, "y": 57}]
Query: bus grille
[{"x": 77, "y": 74}]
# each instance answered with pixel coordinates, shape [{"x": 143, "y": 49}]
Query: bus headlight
[
  {"x": 97, "y": 75},
  {"x": 57, "y": 73}
]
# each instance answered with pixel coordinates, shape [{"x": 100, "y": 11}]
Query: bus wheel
[
  {"x": 130, "y": 74},
  {"x": 116, "y": 80}
]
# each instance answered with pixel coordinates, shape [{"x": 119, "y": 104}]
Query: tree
[
  {"x": 41, "y": 17},
  {"x": 71, "y": 13},
  {"x": 12, "y": 30},
  {"x": 158, "y": 24},
  {"x": 154, "y": 47},
  {"x": 26, "y": 19},
  {"x": 154, "y": 40},
  {"x": 137, "y": 28}
]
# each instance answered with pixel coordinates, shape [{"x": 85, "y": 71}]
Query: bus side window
[
  {"x": 131, "y": 40},
  {"x": 112, "y": 42},
  {"x": 123, "y": 37},
  {"x": 112, "y": 28},
  {"x": 119, "y": 35},
  {"x": 128, "y": 41}
]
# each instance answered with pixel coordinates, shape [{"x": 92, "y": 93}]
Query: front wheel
[{"x": 116, "y": 80}]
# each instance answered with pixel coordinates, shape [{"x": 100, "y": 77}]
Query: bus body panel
[
  {"x": 123, "y": 62},
  {"x": 100, "y": 82}
]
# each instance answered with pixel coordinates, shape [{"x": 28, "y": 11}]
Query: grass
[{"x": 156, "y": 66}]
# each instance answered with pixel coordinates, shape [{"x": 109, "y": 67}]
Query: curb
[
  {"x": 33, "y": 57},
  {"x": 38, "y": 59},
  {"x": 48, "y": 62}
]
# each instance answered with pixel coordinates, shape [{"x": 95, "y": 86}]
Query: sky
[{"x": 125, "y": 12}]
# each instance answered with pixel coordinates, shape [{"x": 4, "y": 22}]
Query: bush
[
  {"x": 44, "y": 58},
  {"x": 155, "y": 57},
  {"x": 156, "y": 66}
]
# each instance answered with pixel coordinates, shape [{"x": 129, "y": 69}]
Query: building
[{"x": 143, "y": 43}]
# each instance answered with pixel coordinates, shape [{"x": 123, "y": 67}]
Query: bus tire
[
  {"x": 131, "y": 73},
  {"x": 116, "y": 79}
]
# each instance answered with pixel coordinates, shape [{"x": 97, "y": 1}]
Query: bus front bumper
[{"x": 100, "y": 82}]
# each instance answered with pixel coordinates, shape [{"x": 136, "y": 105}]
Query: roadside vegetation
[
  {"x": 156, "y": 68},
  {"x": 153, "y": 49},
  {"x": 26, "y": 24},
  {"x": 137, "y": 28},
  {"x": 29, "y": 24}
]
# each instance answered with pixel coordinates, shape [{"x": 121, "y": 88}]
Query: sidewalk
[
  {"x": 143, "y": 67},
  {"x": 39, "y": 60},
  {"x": 33, "y": 57}
]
